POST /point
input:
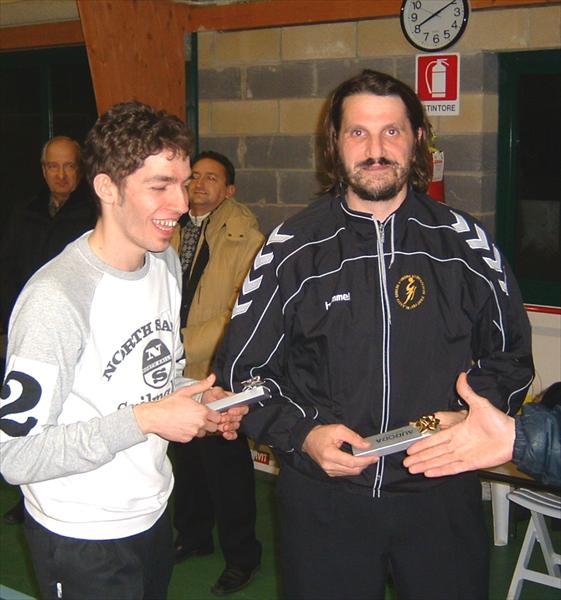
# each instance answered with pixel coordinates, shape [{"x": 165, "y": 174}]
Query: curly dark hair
[
  {"x": 379, "y": 84},
  {"x": 126, "y": 135}
]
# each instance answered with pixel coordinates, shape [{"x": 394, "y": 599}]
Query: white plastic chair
[{"x": 539, "y": 504}]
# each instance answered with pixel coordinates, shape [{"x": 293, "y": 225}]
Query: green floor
[{"x": 192, "y": 579}]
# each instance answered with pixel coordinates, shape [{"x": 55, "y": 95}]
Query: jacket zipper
[{"x": 386, "y": 322}]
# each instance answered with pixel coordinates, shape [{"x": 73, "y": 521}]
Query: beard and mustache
[{"x": 377, "y": 186}]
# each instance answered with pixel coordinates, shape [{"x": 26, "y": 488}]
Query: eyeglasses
[{"x": 53, "y": 167}]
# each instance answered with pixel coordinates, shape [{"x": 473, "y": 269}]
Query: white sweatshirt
[{"x": 86, "y": 343}]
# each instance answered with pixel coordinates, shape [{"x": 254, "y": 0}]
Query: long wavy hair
[{"x": 378, "y": 84}]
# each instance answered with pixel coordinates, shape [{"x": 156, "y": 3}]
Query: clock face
[{"x": 434, "y": 24}]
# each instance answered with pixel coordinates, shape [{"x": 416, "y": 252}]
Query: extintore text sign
[{"x": 438, "y": 83}]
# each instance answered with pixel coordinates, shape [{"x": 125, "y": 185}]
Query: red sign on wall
[{"x": 438, "y": 83}]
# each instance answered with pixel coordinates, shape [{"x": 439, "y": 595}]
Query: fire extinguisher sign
[{"x": 438, "y": 83}]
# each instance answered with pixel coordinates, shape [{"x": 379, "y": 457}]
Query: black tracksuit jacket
[{"x": 351, "y": 321}]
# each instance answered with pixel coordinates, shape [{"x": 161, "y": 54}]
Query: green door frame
[
  {"x": 192, "y": 87},
  {"x": 511, "y": 67}
]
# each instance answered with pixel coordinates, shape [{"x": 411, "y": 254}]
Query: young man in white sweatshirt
[{"x": 94, "y": 387}]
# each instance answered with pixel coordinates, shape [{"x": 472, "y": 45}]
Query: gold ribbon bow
[{"x": 428, "y": 423}]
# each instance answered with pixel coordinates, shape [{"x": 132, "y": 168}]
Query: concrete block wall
[{"x": 262, "y": 95}]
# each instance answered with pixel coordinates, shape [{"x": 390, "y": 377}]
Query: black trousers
[
  {"x": 335, "y": 544},
  {"x": 214, "y": 480},
  {"x": 138, "y": 567}
]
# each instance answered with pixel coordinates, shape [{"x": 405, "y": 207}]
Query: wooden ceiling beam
[
  {"x": 268, "y": 13},
  {"x": 66, "y": 33},
  {"x": 135, "y": 50},
  {"x": 278, "y": 13}
]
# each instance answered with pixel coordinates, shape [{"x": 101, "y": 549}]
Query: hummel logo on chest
[{"x": 345, "y": 297}]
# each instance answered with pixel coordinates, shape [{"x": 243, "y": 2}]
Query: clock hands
[
  {"x": 440, "y": 33},
  {"x": 437, "y": 12}
]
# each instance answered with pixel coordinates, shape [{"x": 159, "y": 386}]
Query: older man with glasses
[{"x": 39, "y": 229}]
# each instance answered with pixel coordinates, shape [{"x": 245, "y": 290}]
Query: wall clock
[{"x": 433, "y": 25}]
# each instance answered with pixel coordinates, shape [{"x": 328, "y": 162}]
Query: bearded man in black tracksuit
[{"x": 359, "y": 314}]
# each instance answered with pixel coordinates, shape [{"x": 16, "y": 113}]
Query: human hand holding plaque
[
  {"x": 323, "y": 444},
  {"x": 396, "y": 440}
]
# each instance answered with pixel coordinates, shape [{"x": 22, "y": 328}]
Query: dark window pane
[
  {"x": 21, "y": 133},
  {"x": 537, "y": 254},
  {"x": 73, "y": 102}
]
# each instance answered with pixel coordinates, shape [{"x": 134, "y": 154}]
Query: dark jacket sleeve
[
  {"x": 255, "y": 345},
  {"x": 502, "y": 342},
  {"x": 537, "y": 445}
]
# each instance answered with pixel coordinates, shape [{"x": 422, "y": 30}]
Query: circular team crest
[
  {"x": 410, "y": 292},
  {"x": 156, "y": 364}
]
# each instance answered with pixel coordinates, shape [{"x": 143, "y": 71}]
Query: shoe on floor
[
  {"x": 233, "y": 579},
  {"x": 185, "y": 551},
  {"x": 15, "y": 515}
]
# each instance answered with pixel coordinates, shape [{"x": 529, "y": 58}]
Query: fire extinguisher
[
  {"x": 435, "y": 77},
  {"x": 436, "y": 186}
]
